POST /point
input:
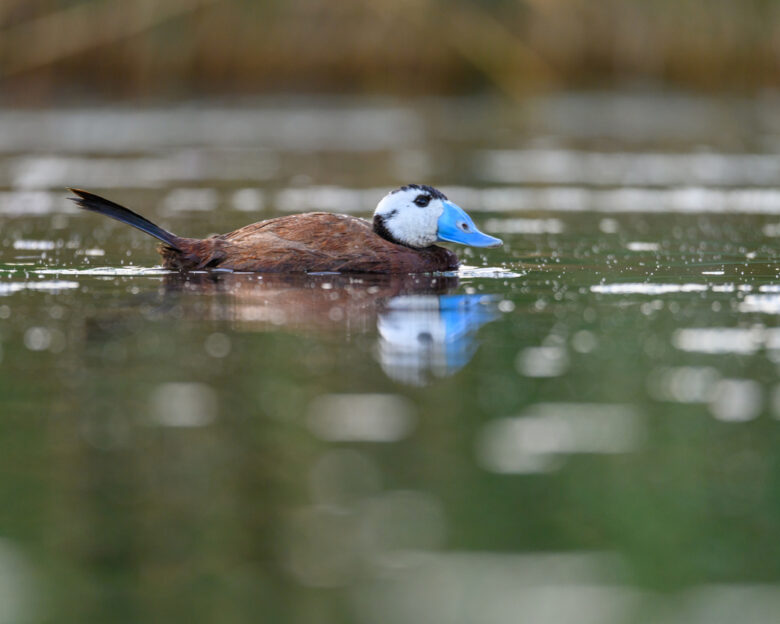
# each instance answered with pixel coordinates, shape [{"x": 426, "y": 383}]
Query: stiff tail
[{"x": 95, "y": 203}]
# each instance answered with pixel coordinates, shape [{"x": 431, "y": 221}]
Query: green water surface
[{"x": 581, "y": 426}]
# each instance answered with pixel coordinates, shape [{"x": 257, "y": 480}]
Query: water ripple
[{"x": 7, "y": 288}]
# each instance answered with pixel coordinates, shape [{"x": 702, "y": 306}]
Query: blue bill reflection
[{"x": 427, "y": 336}]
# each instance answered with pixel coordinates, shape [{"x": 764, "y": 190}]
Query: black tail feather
[{"x": 95, "y": 203}]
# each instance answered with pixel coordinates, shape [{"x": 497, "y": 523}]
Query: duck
[{"x": 400, "y": 238}]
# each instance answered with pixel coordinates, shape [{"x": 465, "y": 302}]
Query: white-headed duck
[{"x": 407, "y": 222}]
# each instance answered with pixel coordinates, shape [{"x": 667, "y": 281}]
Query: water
[{"x": 581, "y": 426}]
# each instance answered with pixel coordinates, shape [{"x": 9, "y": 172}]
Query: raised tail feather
[{"x": 95, "y": 203}]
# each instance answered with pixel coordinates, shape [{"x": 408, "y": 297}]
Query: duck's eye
[{"x": 422, "y": 200}]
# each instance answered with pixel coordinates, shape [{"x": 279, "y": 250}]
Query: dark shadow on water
[{"x": 424, "y": 330}]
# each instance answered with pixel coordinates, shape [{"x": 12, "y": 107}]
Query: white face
[{"x": 411, "y": 215}]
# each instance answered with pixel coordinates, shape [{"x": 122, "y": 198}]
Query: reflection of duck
[
  {"x": 407, "y": 223},
  {"x": 427, "y": 333},
  {"x": 299, "y": 301},
  {"x": 422, "y": 329}
]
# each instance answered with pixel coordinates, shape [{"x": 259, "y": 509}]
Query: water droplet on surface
[
  {"x": 736, "y": 400},
  {"x": 217, "y": 345},
  {"x": 37, "y": 338},
  {"x": 538, "y": 438},
  {"x": 547, "y": 361},
  {"x": 183, "y": 404},
  {"x": 361, "y": 417},
  {"x": 584, "y": 341}
]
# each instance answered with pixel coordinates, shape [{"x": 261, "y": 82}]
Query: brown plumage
[{"x": 312, "y": 242}]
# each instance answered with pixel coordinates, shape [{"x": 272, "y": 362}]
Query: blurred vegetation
[{"x": 183, "y": 48}]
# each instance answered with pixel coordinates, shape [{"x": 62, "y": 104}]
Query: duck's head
[{"x": 417, "y": 215}]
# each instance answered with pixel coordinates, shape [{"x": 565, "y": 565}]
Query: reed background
[{"x": 115, "y": 49}]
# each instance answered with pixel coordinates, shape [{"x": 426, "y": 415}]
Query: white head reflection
[{"x": 425, "y": 336}]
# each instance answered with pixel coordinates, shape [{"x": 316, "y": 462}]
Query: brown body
[{"x": 312, "y": 242}]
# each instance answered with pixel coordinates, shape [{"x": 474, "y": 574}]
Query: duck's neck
[{"x": 380, "y": 229}]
